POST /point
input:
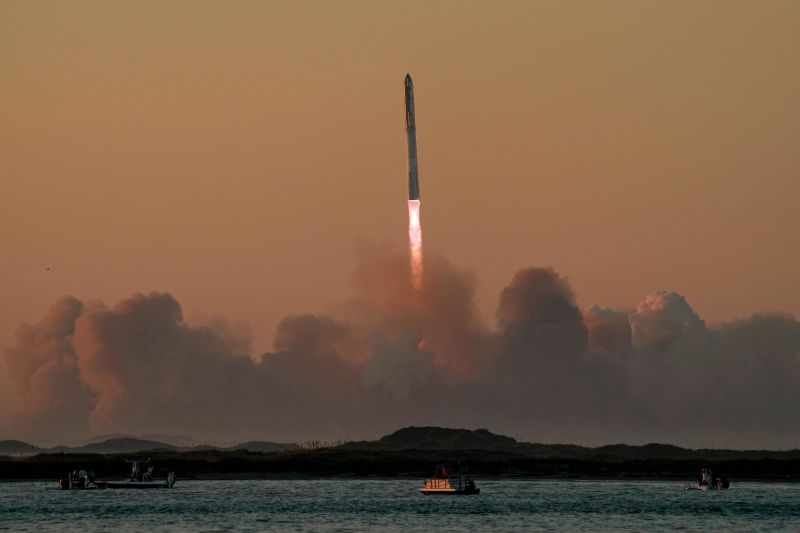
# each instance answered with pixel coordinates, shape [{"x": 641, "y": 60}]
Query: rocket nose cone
[{"x": 408, "y": 80}]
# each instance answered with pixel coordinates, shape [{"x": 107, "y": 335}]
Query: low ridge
[{"x": 437, "y": 438}]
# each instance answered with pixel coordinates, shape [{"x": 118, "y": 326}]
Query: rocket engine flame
[{"x": 415, "y": 242}]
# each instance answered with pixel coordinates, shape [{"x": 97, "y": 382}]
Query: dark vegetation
[{"x": 414, "y": 452}]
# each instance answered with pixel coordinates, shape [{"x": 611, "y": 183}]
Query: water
[{"x": 370, "y": 505}]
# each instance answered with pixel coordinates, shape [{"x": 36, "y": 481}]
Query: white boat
[
  {"x": 141, "y": 478},
  {"x": 707, "y": 482}
]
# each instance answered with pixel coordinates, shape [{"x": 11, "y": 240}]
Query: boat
[
  {"x": 707, "y": 482},
  {"x": 141, "y": 478},
  {"x": 450, "y": 480}
]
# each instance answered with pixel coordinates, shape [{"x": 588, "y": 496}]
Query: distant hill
[
  {"x": 648, "y": 451},
  {"x": 17, "y": 447},
  {"x": 126, "y": 444},
  {"x": 264, "y": 446},
  {"x": 430, "y": 438},
  {"x": 100, "y": 438},
  {"x": 117, "y": 445},
  {"x": 176, "y": 441},
  {"x": 436, "y": 438},
  {"x": 447, "y": 439}
]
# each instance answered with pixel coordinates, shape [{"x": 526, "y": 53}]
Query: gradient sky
[{"x": 234, "y": 153}]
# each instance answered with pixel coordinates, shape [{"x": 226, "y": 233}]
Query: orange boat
[{"x": 450, "y": 480}]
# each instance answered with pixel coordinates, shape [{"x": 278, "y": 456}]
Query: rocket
[{"x": 411, "y": 141}]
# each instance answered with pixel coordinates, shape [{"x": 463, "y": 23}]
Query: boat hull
[
  {"x": 168, "y": 483},
  {"x": 454, "y": 492},
  {"x": 133, "y": 485},
  {"x": 702, "y": 489}
]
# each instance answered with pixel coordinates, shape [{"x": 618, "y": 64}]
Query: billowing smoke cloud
[
  {"x": 44, "y": 366},
  {"x": 541, "y": 327},
  {"x": 144, "y": 365},
  {"x": 399, "y": 354}
]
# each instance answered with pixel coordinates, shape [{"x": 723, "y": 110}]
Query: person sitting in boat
[
  {"x": 706, "y": 478},
  {"x": 78, "y": 480},
  {"x": 469, "y": 486}
]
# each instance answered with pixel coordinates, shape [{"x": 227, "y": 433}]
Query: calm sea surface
[{"x": 357, "y": 505}]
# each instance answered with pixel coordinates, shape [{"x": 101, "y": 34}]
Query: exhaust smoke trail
[{"x": 415, "y": 242}]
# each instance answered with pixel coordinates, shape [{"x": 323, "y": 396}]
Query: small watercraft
[
  {"x": 707, "y": 482},
  {"x": 450, "y": 480},
  {"x": 141, "y": 478}
]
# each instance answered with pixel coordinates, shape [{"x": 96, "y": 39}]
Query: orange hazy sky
[{"x": 233, "y": 153}]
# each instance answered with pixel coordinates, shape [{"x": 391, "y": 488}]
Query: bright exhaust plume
[{"x": 415, "y": 242}]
